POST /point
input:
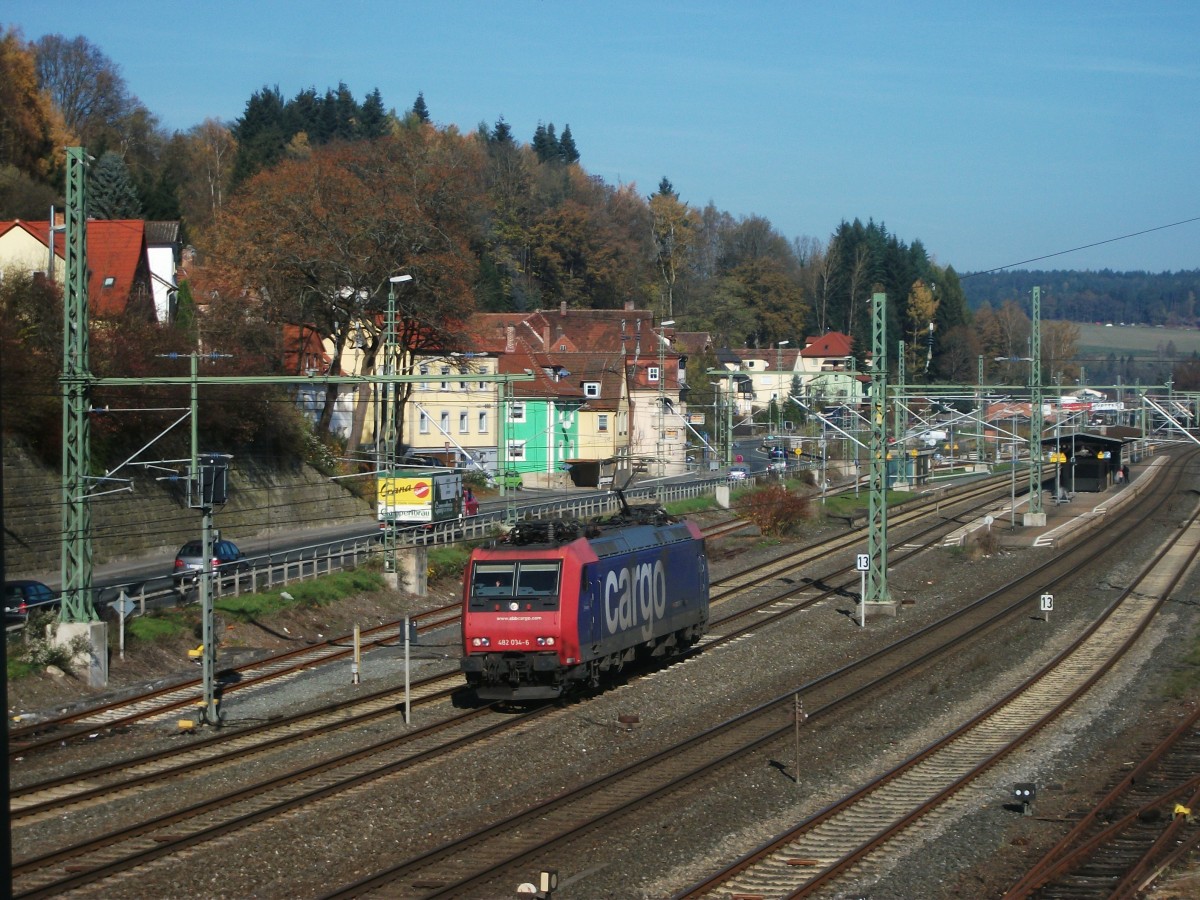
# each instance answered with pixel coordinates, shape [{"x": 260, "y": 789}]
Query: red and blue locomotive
[{"x": 558, "y": 604}]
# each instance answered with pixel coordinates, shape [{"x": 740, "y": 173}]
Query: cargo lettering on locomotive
[{"x": 634, "y": 596}]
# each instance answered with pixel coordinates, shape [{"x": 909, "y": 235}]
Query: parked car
[
  {"x": 189, "y": 562},
  {"x": 510, "y": 479},
  {"x": 738, "y": 473},
  {"x": 24, "y": 597}
]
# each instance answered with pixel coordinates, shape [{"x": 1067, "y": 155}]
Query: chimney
[
  {"x": 628, "y": 305},
  {"x": 546, "y": 338},
  {"x": 510, "y": 338},
  {"x": 562, "y": 309}
]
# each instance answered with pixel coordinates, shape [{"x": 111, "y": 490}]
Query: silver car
[{"x": 189, "y": 562}]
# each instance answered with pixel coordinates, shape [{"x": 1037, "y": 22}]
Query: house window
[
  {"x": 445, "y": 422},
  {"x": 445, "y": 384},
  {"x": 109, "y": 280},
  {"x": 516, "y": 450},
  {"x": 483, "y": 422},
  {"x": 516, "y": 412},
  {"x": 424, "y": 370},
  {"x": 602, "y": 422},
  {"x": 423, "y": 426},
  {"x": 591, "y": 389},
  {"x": 464, "y": 422},
  {"x": 652, "y": 373}
]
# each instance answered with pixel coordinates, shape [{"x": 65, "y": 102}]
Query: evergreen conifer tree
[
  {"x": 502, "y": 133},
  {"x": 545, "y": 143},
  {"x": 262, "y": 134},
  {"x": 111, "y": 194},
  {"x": 420, "y": 110},
  {"x": 374, "y": 116},
  {"x": 566, "y": 146}
]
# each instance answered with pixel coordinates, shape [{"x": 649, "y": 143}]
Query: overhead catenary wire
[{"x": 1082, "y": 247}]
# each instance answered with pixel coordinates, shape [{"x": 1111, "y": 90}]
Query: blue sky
[{"x": 994, "y": 133}]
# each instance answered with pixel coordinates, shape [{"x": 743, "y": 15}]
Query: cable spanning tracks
[
  {"x": 852, "y": 841},
  {"x": 158, "y": 704},
  {"x": 1133, "y": 833},
  {"x": 485, "y": 863}
]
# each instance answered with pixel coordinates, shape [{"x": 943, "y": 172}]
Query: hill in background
[{"x": 1132, "y": 298}]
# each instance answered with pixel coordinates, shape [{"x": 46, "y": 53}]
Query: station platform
[{"x": 1064, "y": 520}]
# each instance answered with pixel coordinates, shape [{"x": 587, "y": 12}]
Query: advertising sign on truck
[{"x": 419, "y": 496}]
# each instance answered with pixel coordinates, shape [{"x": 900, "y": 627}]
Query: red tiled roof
[
  {"x": 304, "y": 351},
  {"x": 116, "y": 257},
  {"x": 832, "y": 343}
]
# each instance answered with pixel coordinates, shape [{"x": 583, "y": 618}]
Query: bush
[
  {"x": 448, "y": 562},
  {"x": 38, "y": 649},
  {"x": 775, "y": 510}
]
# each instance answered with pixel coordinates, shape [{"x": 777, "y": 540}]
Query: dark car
[
  {"x": 24, "y": 597},
  {"x": 189, "y": 562}
]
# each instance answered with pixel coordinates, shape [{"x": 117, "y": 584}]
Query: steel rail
[{"x": 463, "y": 865}]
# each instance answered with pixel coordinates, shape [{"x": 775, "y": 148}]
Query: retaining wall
[{"x": 154, "y": 516}]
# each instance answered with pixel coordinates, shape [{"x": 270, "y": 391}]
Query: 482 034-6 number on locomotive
[{"x": 558, "y": 605}]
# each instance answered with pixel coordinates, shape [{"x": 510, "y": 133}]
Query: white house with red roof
[{"x": 119, "y": 280}]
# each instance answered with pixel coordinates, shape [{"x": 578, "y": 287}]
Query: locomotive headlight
[
  {"x": 545, "y": 642},
  {"x": 480, "y": 642},
  {"x": 514, "y": 606}
]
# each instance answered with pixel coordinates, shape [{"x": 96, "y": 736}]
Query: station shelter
[{"x": 1086, "y": 462}]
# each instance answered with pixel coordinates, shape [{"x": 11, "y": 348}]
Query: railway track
[
  {"x": 485, "y": 862},
  {"x": 169, "y": 701},
  {"x": 31, "y": 803},
  {"x": 850, "y": 843},
  {"x": 50, "y": 799},
  {"x": 1136, "y": 830}
]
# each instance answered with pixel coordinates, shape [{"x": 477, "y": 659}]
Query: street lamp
[
  {"x": 389, "y": 415},
  {"x": 662, "y": 362},
  {"x": 779, "y": 371}
]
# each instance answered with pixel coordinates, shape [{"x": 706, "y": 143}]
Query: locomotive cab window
[
  {"x": 493, "y": 579},
  {"x": 515, "y": 586},
  {"x": 537, "y": 579}
]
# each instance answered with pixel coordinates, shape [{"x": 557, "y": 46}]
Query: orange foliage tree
[{"x": 314, "y": 240}]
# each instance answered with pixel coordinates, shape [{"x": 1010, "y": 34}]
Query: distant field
[{"x": 1136, "y": 340}]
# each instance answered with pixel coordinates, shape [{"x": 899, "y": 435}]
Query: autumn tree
[
  {"x": 673, "y": 229},
  {"x": 1060, "y": 347},
  {"x": 85, "y": 85},
  {"x": 316, "y": 240},
  {"x": 921, "y": 311},
  {"x": 32, "y": 135}
]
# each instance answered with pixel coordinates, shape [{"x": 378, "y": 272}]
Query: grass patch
[
  {"x": 847, "y": 504},
  {"x": 301, "y": 594},
  {"x": 689, "y": 505},
  {"x": 19, "y": 667},
  {"x": 164, "y": 626}
]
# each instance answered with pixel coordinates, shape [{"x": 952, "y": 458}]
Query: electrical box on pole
[{"x": 213, "y": 479}]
